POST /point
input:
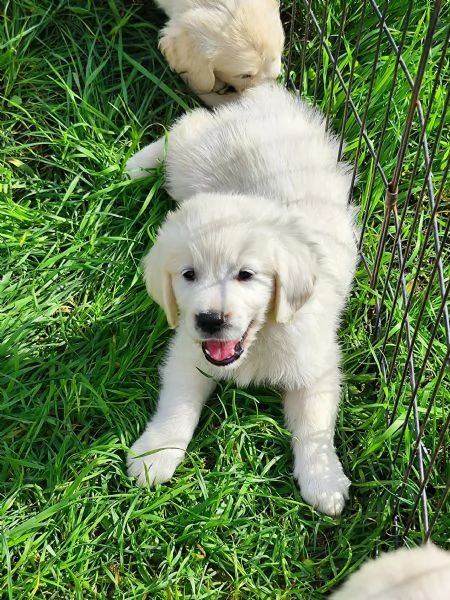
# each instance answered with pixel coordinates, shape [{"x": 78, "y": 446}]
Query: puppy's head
[
  {"x": 251, "y": 52},
  {"x": 225, "y": 265},
  {"x": 236, "y": 42}
]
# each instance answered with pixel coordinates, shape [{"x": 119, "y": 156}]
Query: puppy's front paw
[
  {"x": 152, "y": 465},
  {"x": 323, "y": 484}
]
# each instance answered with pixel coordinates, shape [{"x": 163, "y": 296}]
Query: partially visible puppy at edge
[
  {"x": 406, "y": 574},
  {"x": 214, "y": 44},
  {"x": 253, "y": 269}
]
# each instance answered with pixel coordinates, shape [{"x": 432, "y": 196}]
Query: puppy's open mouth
[
  {"x": 226, "y": 89},
  {"x": 223, "y": 352}
]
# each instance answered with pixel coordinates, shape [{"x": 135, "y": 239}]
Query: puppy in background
[
  {"x": 406, "y": 574},
  {"x": 214, "y": 44}
]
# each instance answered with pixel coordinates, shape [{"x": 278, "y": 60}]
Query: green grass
[{"x": 83, "y": 85}]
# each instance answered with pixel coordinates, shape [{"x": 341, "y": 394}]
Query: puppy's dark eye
[
  {"x": 245, "y": 275},
  {"x": 188, "y": 274},
  {"x": 246, "y": 76}
]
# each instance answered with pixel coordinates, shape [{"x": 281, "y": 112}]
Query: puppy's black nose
[{"x": 210, "y": 322}]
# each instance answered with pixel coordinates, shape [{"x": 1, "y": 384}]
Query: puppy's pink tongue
[{"x": 221, "y": 350}]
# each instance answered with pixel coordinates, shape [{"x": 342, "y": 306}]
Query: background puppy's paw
[
  {"x": 152, "y": 465},
  {"x": 325, "y": 489}
]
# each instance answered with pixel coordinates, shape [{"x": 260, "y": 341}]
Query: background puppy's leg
[
  {"x": 311, "y": 416},
  {"x": 147, "y": 158},
  {"x": 184, "y": 391}
]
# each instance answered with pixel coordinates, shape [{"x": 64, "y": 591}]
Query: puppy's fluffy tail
[{"x": 147, "y": 158}]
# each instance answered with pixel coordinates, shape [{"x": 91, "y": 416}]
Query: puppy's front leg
[
  {"x": 160, "y": 449},
  {"x": 311, "y": 417}
]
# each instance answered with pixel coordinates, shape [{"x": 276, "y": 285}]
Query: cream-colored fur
[
  {"x": 416, "y": 574},
  {"x": 265, "y": 226},
  {"x": 211, "y": 43}
]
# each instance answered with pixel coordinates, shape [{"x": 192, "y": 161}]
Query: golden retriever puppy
[
  {"x": 253, "y": 269},
  {"x": 416, "y": 574},
  {"x": 215, "y": 43}
]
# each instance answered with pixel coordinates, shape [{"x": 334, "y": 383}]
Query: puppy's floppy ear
[
  {"x": 158, "y": 281},
  {"x": 186, "y": 50},
  {"x": 294, "y": 278}
]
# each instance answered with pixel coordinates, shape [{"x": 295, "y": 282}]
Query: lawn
[{"x": 82, "y": 87}]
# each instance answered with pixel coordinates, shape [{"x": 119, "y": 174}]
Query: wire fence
[{"x": 381, "y": 73}]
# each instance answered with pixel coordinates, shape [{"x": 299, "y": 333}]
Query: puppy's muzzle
[{"x": 210, "y": 322}]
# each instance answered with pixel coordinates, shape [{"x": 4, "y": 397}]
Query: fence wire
[{"x": 370, "y": 66}]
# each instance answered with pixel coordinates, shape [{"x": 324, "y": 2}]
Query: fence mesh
[{"x": 381, "y": 73}]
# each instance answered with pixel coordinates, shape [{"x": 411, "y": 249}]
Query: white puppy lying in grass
[
  {"x": 215, "y": 43},
  {"x": 255, "y": 266},
  {"x": 416, "y": 574}
]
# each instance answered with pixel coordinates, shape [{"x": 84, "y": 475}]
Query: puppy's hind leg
[
  {"x": 310, "y": 416},
  {"x": 147, "y": 158}
]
